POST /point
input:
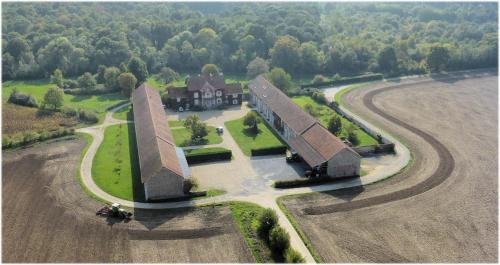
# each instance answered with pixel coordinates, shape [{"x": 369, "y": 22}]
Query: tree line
[{"x": 300, "y": 38}]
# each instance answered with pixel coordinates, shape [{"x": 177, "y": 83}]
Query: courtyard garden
[{"x": 249, "y": 139}]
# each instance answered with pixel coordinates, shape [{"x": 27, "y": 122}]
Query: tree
[
  {"x": 437, "y": 58},
  {"x": 210, "y": 69},
  {"x": 87, "y": 81},
  {"x": 160, "y": 33},
  {"x": 286, "y": 53},
  {"x": 168, "y": 75},
  {"x": 309, "y": 109},
  {"x": 292, "y": 256},
  {"x": 335, "y": 125},
  {"x": 256, "y": 67},
  {"x": 268, "y": 219},
  {"x": 127, "y": 82},
  {"x": 279, "y": 239},
  {"x": 318, "y": 79},
  {"x": 251, "y": 120},
  {"x": 53, "y": 97},
  {"x": 57, "y": 78},
  {"x": 111, "y": 78},
  {"x": 138, "y": 68},
  {"x": 387, "y": 61},
  {"x": 351, "y": 134},
  {"x": 198, "y": 129},
  {"x": 100, "y": 74},
  {"x": 280, "y": 79},
  {"x": 311, "y": 58}
]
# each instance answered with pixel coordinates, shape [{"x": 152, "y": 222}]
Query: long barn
[
  {"x": 303, "y": 133},
  {"x": 163, "y": 166}
]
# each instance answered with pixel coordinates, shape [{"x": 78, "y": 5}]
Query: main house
[
  {"x": 204, "y": 92},
  {"x": 303, "y": 133},
  {"x": 163, "y": 166}
]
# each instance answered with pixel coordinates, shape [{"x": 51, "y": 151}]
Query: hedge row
[
  {"x": 284, "y": 184},
  {"x": 210, "y": 156},
  {"x": 275, "y": 150},
  {"x": 32, "y": 137},
  {"x": 347, "y": 80}
]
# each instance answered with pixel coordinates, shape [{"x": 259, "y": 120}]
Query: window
[
  {"x": 208, "y": 94},
  {"x": 178, "y": 99},
  {"x": 219, "y": 101},
  {"x": 218, "y": 93},
  {"x": 235, "y": 95},
  {"x": 195, "y": 94},
  {"x": 235, "y": 101},
  {"x": 196, "y": 102}
]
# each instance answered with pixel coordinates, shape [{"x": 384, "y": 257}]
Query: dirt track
[
  {"x": 423, "y": 214},
  {"x": 46, "y": 217}
]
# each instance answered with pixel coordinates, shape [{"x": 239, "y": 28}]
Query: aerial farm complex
[{"x": 249, "y": 132}]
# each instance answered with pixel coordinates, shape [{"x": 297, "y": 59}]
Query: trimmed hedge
[
  {"x": 284, "y": 184},
  {"x": 217, "y": 154},
  {"x": 275, "y": 150},
  {"x": 347, "y": 80},
  {"x": 33, "y": 137}
]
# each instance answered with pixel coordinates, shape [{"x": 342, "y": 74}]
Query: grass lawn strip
[
  {"x": 125, "y": 114},
  {"x": 246, "y": 215},
  {"x": 297, "y": 228},
  {"x": 248, "y": 140},
  {"x": 115, "y": 166},
  {"x": 38, "y": 88},
  {"x": 203, "y": 151},
  {"x": 176, "y": 123},
  {"x": 324, "y": 113},
  {"x": 182, "y": 137}
]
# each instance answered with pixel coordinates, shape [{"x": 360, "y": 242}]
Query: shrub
[
  {"x": 22, "y": 99},
  {"x": 335, "y": 125},
  {"x": 293, "y": 256},
  {"x": 318, "y": 79},
  {"x": 267, "y": 221},
  {"x": 215, "y": 155},
  {"x": 274, "y": 150},
  {"x": 319, "y": 97},
  {"x": 69, "y": 112},
  {"x": 279, "y": 239},
  {"x": 189, "y": 184},
  {"x": 88, "y": 116},
  {"x": 70, "y": 84}
]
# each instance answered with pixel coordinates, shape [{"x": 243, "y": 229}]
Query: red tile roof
[{"x": 155, "y": 143}]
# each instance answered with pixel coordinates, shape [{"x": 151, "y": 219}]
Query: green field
[
  {"x": 248, "y": 140},
  {"x": 323, "y": 113},
  {"x": 204, "y": 151},
  {"x": 38, "y": 88},
  {"x": 175, "y": 123},
  {"x": 182, "y": 137},
  {"x": 115, "y": 168},
  {"x": 124, "y": 114},
  {"x": 246, "y": 215},
  {"x": 155, "y": 83}
]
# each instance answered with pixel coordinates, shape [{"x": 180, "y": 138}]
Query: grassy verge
[
  {"x": 115, "y": 168},
  {"x": 246, "y": 215},
  {"x": 247, "y": 139},
  {"x": 125, "y": 114},
  {"x": 88, "y": 140},
  {"x": 297, "y": 228},
  {"x": 323, "y": 113},
  {"x": 182, "y": 137},
  {"x": 176, "y": 123}
]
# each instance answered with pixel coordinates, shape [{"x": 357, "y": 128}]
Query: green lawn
[
  {"x": 323, "y": 113},
  {"x": 155, "y": 83},
  {"x": 175, "y": 123},
  {"x": 38, "y": 88},
  {"x": 247, "y": 139},
  {"x": 115, "y": 168},
  {"x": 203, "y": 151},
  {"x": 124, "y": 114},
  {"x": 182, "y": 137},
  {"x": 246, "y": 215}
]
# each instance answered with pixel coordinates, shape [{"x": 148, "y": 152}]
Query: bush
[
  {"x": 319, "y": 97},
  {"x": 318, "y": 79},
  {"x": 293, "y": 256},
  {"x": 189, "y": 184},
  {"x": 337, "y": 80},
  {"x": 70, "y": 84},
  {"x": 88, "y": 116},
  {"x": 22, "y": 99},
  {"x": 279, "y": 240},
  {"x": 284, "y": 184},
  {"x": 69, "y": 112},
  {"x": 275, "y": 150},
  {"x": 215, "y": 155},
  {"x": 32, "y": 137},
  {"x": 267, "y": 221}
]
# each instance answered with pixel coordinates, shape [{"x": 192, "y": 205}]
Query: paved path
[{"x": 265, "y": 195}]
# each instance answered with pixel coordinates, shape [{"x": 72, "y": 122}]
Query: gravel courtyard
[{"x": 455, "y": 221}]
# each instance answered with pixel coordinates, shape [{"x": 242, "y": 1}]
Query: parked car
[{"x": 292, "y": 157}]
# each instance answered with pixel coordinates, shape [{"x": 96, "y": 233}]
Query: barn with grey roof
[
  {"x": 314, "y": 143},
  {"x": 163, "y": 166}
]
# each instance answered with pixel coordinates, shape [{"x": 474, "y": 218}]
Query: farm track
[{"x": 443, "y": 171}]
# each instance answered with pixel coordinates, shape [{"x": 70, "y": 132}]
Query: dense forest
[{"x": 302, "y": 38}]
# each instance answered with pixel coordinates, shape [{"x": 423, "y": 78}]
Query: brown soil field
[
  {"x": 46, "y": 217},
  {"x": 18, "y": 119},
  {"x": 443, "y": 206}
]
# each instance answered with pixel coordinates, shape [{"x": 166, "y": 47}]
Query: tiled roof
[
  {"x": 177, "y": 92},
  {"x": 233, "y": 89},
  {"x": 195, "y": 83},
  {"x": 155, "y": 144}
]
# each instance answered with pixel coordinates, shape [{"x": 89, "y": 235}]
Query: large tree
[
  {"x": 87, "y": 81},
  {"x": 138, "y": 68},
  {"x": 127, "y": 82},
  {"x": 210, "y": 69},
  {"x": 280, "y": 79},
  {"x": 387, "y": 61},
  {"x": 57, "y": 78},
  {"x": 111, "y": 78},
  {"x": 256, "y": 67},
  {"x": 286, "y": 53},
  {"x": 54, "y": 98},
  {"x": 437, "y": 58}
]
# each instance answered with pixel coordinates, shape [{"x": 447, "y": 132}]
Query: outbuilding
[{"x": 163, "y": 166}]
